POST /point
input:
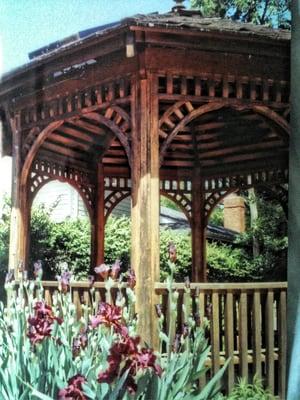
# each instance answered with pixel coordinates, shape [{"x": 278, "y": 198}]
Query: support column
[
  {"x": 99, "y": 223},
  {"x": 198, "y": 230},
  {"x": 20, "y": 214},
  {"x": 145, "y": 204}
]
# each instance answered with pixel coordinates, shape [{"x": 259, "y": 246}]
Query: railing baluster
[
  {"x": 270, "y": 339},
  {"x": 229, "y": 338},
  {"x": 76, "y": 301},
  {"x": 48, "y": 296},
  {"x": 243, "y": 336},
  {"x": 257, "y": 333},
  {"x": 215, "y": 332}
]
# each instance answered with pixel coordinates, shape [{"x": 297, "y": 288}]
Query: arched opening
[
  {"x": 60, "y": 231},
  {"x": 117, "y": 234},
  {"x": 249, "y": 237},
  {"x": 175, "y": 229}
]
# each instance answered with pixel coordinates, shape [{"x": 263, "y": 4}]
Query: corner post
[
  {"x": 198, "y": 229},
  {"x": 99, "y": 225},
  {"x": 145, "y": 203},
  {"x": 20, "y": 213}
]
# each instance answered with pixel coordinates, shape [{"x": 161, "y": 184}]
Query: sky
[{"x": 26, "y": 25}]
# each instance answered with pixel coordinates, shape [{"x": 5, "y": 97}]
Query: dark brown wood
[
  {"x": 198, "y": 230},
  {"x": 98, "y": 240}
]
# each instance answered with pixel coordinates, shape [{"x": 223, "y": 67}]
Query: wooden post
[
  {"x": 198, "y": 230},
  {"x": 20, "y": 214},
  {"x": 99, "y": 224},
  {"x": 145, "y": 203}
]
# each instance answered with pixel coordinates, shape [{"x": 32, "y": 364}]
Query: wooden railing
[{"x": 247, "y": 322}]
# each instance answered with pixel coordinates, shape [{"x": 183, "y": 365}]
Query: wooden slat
[
  {"x": 270, "y": 339},
  {"x": 229, "y": 339},
  {"x": 76, "y": 301},
  {"x": 243, "y": 335},
  {"x": 215, "y": 332},
  {"x": 282, "y": 335},
  {"x": 169, "y": 84},
  {"x": 257, "y": 333},
  {"x": 48, "y": 296}
]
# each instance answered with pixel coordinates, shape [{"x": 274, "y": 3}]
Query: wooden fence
[{"x": 247, "y": 322}]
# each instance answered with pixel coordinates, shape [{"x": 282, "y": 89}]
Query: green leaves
[
  {"x": 246, "y": 391},
  {"x": 276, "y": 13}
]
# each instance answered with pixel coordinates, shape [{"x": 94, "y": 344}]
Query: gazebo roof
[
  {"x": 179, "y": 21},
  {"x": 223, "y": 93}
]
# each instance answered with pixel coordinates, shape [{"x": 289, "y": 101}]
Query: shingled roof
[{"x": 181, "y": 20}]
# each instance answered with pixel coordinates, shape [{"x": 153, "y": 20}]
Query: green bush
[
  {"x": 69, "y": 242},
  {"x": 228, "y": 264}
]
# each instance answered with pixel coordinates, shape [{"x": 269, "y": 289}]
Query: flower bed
[{"x": 47, "y": 353}]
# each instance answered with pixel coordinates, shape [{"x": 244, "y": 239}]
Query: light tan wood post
[
  {"x": 145, "y": 203},
  {"x": 198, "y": 230},
  {"x": 98, "y": 234},
  {"x": 18, "y": 229}
]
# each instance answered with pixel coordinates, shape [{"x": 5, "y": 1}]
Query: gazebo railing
[{"x": 246, "y": 321}]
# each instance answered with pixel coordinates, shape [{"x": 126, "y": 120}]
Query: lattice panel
[
  {"x": 225, "y": 86},
  {"x": 176, "y": 186},
  {"x": 68, "y": 103},
  {"x": 244, "y": 181},
  {"x": 44, "y": 171},
  {"x": 115, "y": 183}
]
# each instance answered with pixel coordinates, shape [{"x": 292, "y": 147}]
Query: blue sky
[{"x": 27, "y": 25}]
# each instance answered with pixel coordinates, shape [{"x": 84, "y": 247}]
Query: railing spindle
[
  {"x": 243, "y": 335},
  {"x": 257, "y": 333},
  {"x": 229, "y": 339},
  {"x": 270, "y": 339},
  {"x": 215, "y": 332}
]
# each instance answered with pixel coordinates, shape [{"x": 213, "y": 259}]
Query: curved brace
[
  {"x": 213, "y": 199},
  {"x": 81, "y": 189},
  {"x": 112, "y": 200},
  {"x": 194, "y": 113},
  {"x": 273, "y": 116},
  {"x": 118, "y": 121},
  {"x": 30, "y": 138},
  {"x": 206, "y": 108},
  {"x": 184, "y": 203},
  {"x": 34, "y": 149}
]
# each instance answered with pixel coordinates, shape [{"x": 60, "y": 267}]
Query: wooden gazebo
[{"x": 175, "y": 104}]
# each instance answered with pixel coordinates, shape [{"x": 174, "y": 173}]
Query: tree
[{"x": 275, "y": 13}]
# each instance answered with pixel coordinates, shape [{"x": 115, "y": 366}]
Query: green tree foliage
[
  {"x": 69, "y": 242},
  {"x": 117, "y": 240},
  {"x": 274, "y": 13},
  {"x": 270, "y": 231}
]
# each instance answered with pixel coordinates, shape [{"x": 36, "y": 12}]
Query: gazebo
[{"x": 175, "y": 104}]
